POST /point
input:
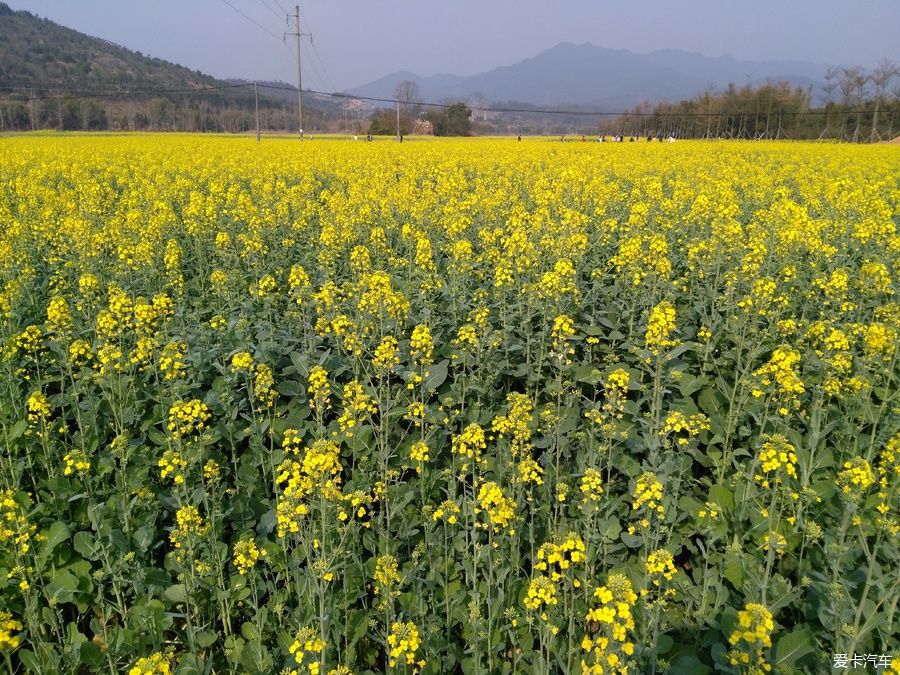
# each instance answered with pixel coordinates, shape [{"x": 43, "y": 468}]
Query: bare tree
[
  {"x": 881, "y": 77},
  {"x": 410, "y": 97}
]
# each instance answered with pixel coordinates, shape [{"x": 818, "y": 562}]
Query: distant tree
[
  {"x": 409, "y": 95},
  {"x": 384, "y": 123},
  {"x": 454, "y": 120},
  {"x": 881, "y": 77}
]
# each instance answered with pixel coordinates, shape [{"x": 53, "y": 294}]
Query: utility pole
[
  {"x": 296, "y": 16},
  {"x": 398, "y": 120},
  {"x": 256, "y": 92}
]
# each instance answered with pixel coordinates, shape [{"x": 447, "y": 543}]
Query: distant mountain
[{"x": 590, "y": 75}]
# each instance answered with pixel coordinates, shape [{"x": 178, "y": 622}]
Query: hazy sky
[{"x": 357, "y": 41}]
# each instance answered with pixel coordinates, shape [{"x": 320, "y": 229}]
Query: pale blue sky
[{"x": 357, "y": 41}]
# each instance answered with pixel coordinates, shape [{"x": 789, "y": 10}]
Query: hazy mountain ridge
[{"x": 586, "y": 74}]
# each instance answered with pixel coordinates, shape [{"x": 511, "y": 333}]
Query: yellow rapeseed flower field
[{"x": 458, "y": 406}]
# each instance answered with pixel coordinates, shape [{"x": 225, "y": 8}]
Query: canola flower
[
  {"x": 187, "y": 418},
  {"x": 751, "y": 640},
  {"x": 155, "y": 664},
  {"x": 660, "y": 327},
  {"x": 776, "y": 455},
  {"x": 499, "y": 509},
  {"x": 403, "y": 644},
  {"x": 258, "y": 369},
  {"x": 9, "y": 627},
  {"x": 246, "y": 555},
  {"x": 608, "y": 649}
]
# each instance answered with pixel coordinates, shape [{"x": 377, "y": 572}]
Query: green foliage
[{"x": 454, "y": 120}]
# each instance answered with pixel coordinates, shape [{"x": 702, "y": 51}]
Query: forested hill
[
  {"x": 53, "y": 77},
  {"x": 37, "y": 51}
]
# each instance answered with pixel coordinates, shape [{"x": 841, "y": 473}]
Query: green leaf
[
  {"x": 91, "y": 656},
  {"x": 248, "y": 630},
  {"x": 18, "y": 429},
  {"x": 437, "y": 374},
  {"x": 143, "y": 537},
  {"x": 56, "y": 534},
  {"x": 176, "y": 593},
  {"x": 794, "y": 646},
  {"x": 206, "y": 638},
  {"x": 689, "y": 385},
  {"x": 664, "y": 643},
  {"x": 733, "y": 570},
  {"x": 62, "y": 586},
  {"x": 359, "y": 623},
  {"x": 688, "y": 664},
  {"x": 587, "y": 374},
  {"x": 289, "y": 388},
  {"x": 722, "y": 496}
]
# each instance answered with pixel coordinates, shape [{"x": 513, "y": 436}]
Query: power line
[
  {"x": 327, "y": 79},
  {"x": 253, "y": 21},
  {"x": 269, "y": 7},
  {"x": 122, "y": 93},
  {"x": 29, "y": 89}
]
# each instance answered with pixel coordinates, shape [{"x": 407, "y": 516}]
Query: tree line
[{"x": 856, "y": 105}]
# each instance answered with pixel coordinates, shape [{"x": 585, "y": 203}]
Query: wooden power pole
[{"x": 256, "y": 92}]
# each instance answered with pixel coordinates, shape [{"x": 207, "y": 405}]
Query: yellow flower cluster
[
  {"x": 530, "y": 472},
  {"x": 679, "y": 423},
  {"x": 516, "y": 424},
  {"x": 59, "y": 318},
  {"x": 187, "y": 418},
  {"x": 541, "y": 596},
  {"x": 421, "y": 346},
  {"x": 470, "y": 443},
  {"x": 609, "y": 648},
  {"x": 752, "y": 640},
  {"x": 318, "y": 470},
  {"x": 38, "y": 408},
  {"x": 781, "y": 376},
  {"x": 558, "y": 558},
  {"x": 189, "y": 524},
  {"x": 171, "y": 360},
  {"x": 8, "y": 629},
  {"x": 387, "y": 355},
  {"x": 155, "y": 664},
  {"x": 357, "y": 406},
  {"x": 660, "y": 327},
  {"x": 563, "y": 330},
  {"x": 776, "y": 454},
  {"x": 80, "y": 352},
  {"x": 418, "y": 453},
  {"x": 660, "y": 565},
  {"x": 242, "y": 362},
  {"x": 648, "y": 491},
  {"x": 499, "y": 508},
  {"x": 591, "y": 485},
  {"x": 447, "y": 510},
  {"x": 14, "y": 526},
  {"x": 319, "y": 390},
  {"x": 264, "y": 386},
  {"x": 307, "y": 642},
  {"x": 246, "y": 555},
  {"x": 856, "y": 477},
  {"x": 76, "y": 462},
  {"x": 172, "y": 464},
  {"x": 404, "y": 642}
]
